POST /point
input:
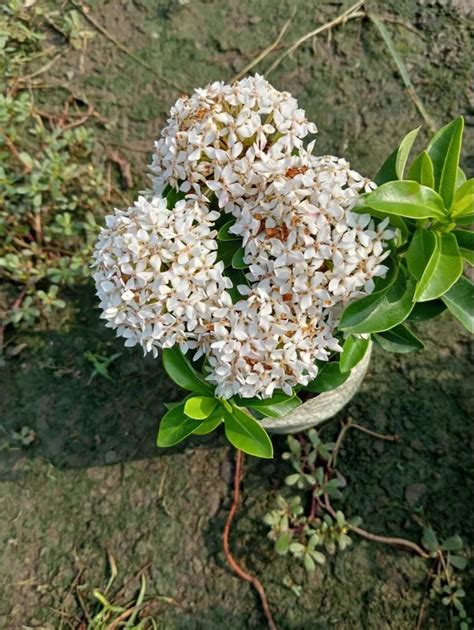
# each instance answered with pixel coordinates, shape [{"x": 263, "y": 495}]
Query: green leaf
[
  {"x": 394, "y": 166},
  {"x": 329, "y": 377},
  {"x": 399, "y": 339},
  {"x": 226, "y": 251},
  {"x": 443, "y": 269},
  {"x": 225, "y": 235},
  {"x": 200, "y": 407},
  {"x": 465, "y": 239},
  {"x": 464, "y": 200},
  {"x": 246, "y": 434},
  {"x": 460, "y": 301},
  {"x": 180, "y": 370},
  {"x": 353, "y": 352},
  {"x": 468, "y": 256},
  {"x": 420, "y": 251},
  {"x": 465, "y": 220},
  {"x": 212, "y": 422},
  {"x": 407, "y": 199},
  {"x": 424, "y": 311},
  {"x": 282, "y": 544},
  {"x": 268, "y": 408},
  {"x": 445, "y": 150},
  {"x": 460, "y": 178},
  {"x": 175, "y": 426},
  {"x": 453, "y": 543},
  {"x": 421, "y": 170},
  {"x": 429, "y": 539},
  {"x": 382, "y": 310},
  {"x": 238, "y": 259},
  {"x": 458, "y": 562},
  {"x": 308, "y": 563}
]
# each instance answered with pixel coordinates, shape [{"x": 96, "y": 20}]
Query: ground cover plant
[{"x": 53, "y": 187}]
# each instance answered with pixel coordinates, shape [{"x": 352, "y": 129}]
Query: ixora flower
[{"x": 260, "y": 270}]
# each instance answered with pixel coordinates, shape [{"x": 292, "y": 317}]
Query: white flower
[{"x": 238, "y": 150}]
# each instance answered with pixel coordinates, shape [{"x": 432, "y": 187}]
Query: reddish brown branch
[
  {"x": 243, "y": 575},
  {"x": 385, "y": 540}
]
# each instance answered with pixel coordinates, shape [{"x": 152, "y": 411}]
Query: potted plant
[{"x": 263, "y": 273}]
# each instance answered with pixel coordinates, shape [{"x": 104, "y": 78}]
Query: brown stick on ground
[{"x": 243, "y": 575}]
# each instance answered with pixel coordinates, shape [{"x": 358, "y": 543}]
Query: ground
[{"x": 93, "y": 482}]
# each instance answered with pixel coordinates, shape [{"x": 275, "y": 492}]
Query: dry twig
[
  {"x": 351, "y": 13},
  {"x": 266, "y": 51},
  {"x": 85, "y": 13}
]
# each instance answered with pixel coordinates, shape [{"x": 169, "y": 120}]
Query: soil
[{"x": 93, "y": 482}]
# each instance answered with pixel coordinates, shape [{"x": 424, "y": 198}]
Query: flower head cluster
[{"x": 238, "y": 150}]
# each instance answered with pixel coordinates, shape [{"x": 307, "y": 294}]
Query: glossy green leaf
[
  {"x": 225, "y": 235},
  {"x": 445, "y": 150},
  {"x": 226, "y": 251},
  {"x": 329, "y": 377},
  {"x": 443, "y": 269},
  {"x": 399, "y": 339},
  {"x": 175, "y": 426},
  {"x": 382, "y": 310},
  {"x": 353, "y": 351},
  {"x": 460, "y": 178},
  {"x": 464, "y": 200},
  {"x": 465, "y": 241},
  {"x": 268, "y": 408},
  {"x": 420, "y": 251},
  {"x": 406, "y": 199},
  {"x": 200, "y": 407},
  {"x": 460, "y": 301},
  {"x": 421, "y": 170},
  {"x": 424, "y": 311},
  {"x": 467, "y": 255},
  {"x": 466, "y": 220},
  {"x": 247, "y": 434},
  {"x": 180, "y": 370},
  {"x": 238, "y": 259},
  {"x": 394, "y": 166},
  {"x": 211, "y": 423}
]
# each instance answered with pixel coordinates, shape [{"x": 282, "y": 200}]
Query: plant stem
[
  {"x": 385, "y": 540},
  {"x": 379, "y": 436},
  {"x": 239, "y": 457}
]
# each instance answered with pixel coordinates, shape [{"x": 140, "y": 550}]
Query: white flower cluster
[{"x": 238, "y": 149}]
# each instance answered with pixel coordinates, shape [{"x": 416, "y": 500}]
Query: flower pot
[{"x": 322, "y": 407}]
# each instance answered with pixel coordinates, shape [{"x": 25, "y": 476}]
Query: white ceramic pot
[{"x": 322, "y": 407}]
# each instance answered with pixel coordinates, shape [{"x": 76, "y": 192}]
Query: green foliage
[
  {"x": 303, "y": 535},
  {"x": 445, "y": 583},
  {"x": 430, "y": 210},
  {"x": 203, "y": 413},
  {"x": 353, "y": 352},
  {"x": 52, "y": 189}
]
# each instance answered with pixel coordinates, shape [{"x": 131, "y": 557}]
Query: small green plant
[
  {"x": 446, "y": 583},
  {"x": 101, "y": 364},
  {"x": 309, "y": 533},
  {"x": 52, "y": 189},
  {"x": 306, "y": 535}
]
